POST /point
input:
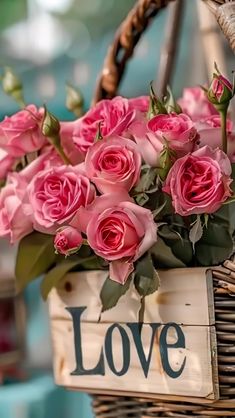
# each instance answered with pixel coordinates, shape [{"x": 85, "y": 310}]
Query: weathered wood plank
[
  {"x": 183, "y": 297},
  {"x": 99, "y": 356},
  {"x": 195, "y": 381}
]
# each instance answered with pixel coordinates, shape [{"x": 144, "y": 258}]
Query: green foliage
[
  {"x": 36, "y": 255},
  {"x": 146, "y": 278},
  {"x": 112, "y": 291},
  {"x": 52, "y": 278},
  {"x": 215, "y": 245}
]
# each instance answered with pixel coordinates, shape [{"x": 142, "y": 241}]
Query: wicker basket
[
  {"x": 224, "y": 298},
  {"x": 118, "y": 54}
]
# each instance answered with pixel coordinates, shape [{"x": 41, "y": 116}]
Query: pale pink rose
[
  {"x": 15, "y": 211},
  {"x": 49, "y": 158},
  {"x": 199, "y": 182},
  {"x": 115, "y": 116},
  {"x": 140, "y": 103},
  {"x": 209, "y": 130},
  {"x": 6, "y": 164},
  {"x": 178, "y": 130},
  {"x": 20, "y": 133},
  {"x": 67, "y": 240},
  {"x": 56, "y": 194},
  {"x": 67, "y": 137},
  {"x": 117, "y": 230},
  {"x": 196, "y": 104},
  {"x": 112, "y": 163}
]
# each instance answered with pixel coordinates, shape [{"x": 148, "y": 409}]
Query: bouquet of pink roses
[{"x": 132, "y": 185}]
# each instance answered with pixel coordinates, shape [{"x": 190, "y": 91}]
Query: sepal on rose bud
[
  {"x": 166, "y": 161},
  {"x": 156, "y": 106},
  {"x": 171, "y": 104}
]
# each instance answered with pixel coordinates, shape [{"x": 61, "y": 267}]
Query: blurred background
[{"x": 49, "y": 43}]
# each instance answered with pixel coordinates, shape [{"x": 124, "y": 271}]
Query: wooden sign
[{"x": 172, "y": 355}]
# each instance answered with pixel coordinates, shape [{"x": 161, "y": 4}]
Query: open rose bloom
[{"x": 116, "y": 187}]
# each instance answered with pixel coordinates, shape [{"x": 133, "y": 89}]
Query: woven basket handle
[{"x": 131, "y": 30}]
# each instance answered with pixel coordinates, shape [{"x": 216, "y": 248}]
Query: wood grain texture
[{"x": 184, "y": 297}]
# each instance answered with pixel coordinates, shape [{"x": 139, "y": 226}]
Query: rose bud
[
  {"x": 67, "y": 241},
  {"x": 12, "y": 86},
  {"x": 74, "y": 100},
  {"x": 221, "y": 90}
]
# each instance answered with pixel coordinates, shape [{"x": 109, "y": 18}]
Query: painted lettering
[
  {"x": 125, "y": 349},
  {"x": 136, "y": 331},
  {"x": 136, "y": 334},
  {"x": 99, "y": 369},
  {"x": 164, "y": 346}
]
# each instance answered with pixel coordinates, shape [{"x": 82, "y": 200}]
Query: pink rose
[
  {"x": 56, "y": 194},
  {"x": 115, "y": 116},
  {"x": 117, "y": 230},
  {"x": 178, "y": 130},
  {"x": 209, "y": 130},
  {"x": 140, "y": 103},
  {"x": 113, "y": 162},
  {"x": 6, "y": 164},
  {"x": 199, "y": 182},
  {"x": 20, "y": 133},
  {"x": 67, "y": 240},
  {"x": 15, "y": 219},
  {"x": 196, "y": 104}
]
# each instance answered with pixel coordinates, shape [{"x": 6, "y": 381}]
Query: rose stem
[{"x": 223, "y": 118}]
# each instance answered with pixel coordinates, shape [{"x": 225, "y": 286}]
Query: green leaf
[
  {"x": 178, "y": 241},
  {"x": 112, "y": 291},
  {"x": 196, "y": 231},
  {"x": 215, "y": 246},
  {"x": 146, "y": 278},
  {"x": 163, "y": 256},
  {"x": 35, "y": 256},
  {"x": 58, "y": 272}
]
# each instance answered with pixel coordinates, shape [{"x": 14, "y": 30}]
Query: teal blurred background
[{"x": 48, "y": 43}]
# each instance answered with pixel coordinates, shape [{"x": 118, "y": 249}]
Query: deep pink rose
[
  {"x": 56, "y": 194},
  {"x": 15, "y": 211},
  {"x": 199, "y": 182},
  {"x": 140, "y": 103},
  {"x": 20, "y": 133},
  {"x": 209, "y": 130},
  {"x": 67, "y": 240},
  {"x": 196, "y": 104},
  {"x": 115, "y": 116},
  {"x": 178, "y": 130},
  {"x": 117, "y": 230},
  {"x": 113, "y": 162},
  {"x": 6, "y": 164}
]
